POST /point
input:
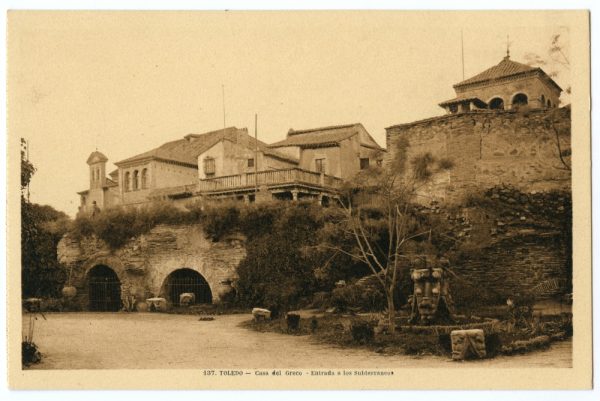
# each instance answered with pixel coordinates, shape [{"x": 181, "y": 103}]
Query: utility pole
[
  {"x": 255, "y": 156},
  {"x": 223, "y": 95},
  {"x": 462, "y": 54}
]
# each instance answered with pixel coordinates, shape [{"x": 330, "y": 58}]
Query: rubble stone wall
[
  {"x": 144, "y": 262},
  {"x": 489, "y": 148}
]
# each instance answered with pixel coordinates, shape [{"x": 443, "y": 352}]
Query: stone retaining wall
[
  {"x": 489, "y": 148},
  {"x": 144, "y": 262}
]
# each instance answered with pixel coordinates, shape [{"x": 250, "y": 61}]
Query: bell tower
[{"x": 97, "y": 162}]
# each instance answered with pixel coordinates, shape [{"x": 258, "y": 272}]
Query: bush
[
  {"x": 221, "y": 220},
  {"x": 366, "y": 298},
  {"x": 276, "y": 271},
  {"x": 321, "y": 300},
  {"x": 362, "y": 332},
  {"x": 117, "y": 225},
  {"x": 346, "y": 297},
  {"x": 30, "y": 353}
]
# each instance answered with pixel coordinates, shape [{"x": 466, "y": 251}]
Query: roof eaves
[{"x": 328, "y": 128}]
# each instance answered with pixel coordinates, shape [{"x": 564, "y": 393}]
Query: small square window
[
  {"x": 364, "y": 163},
  {"x": 250, "y": 162}
]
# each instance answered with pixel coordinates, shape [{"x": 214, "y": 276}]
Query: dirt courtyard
[{"x": 162, "y": 341}]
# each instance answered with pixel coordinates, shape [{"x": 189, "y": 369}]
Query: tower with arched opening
[{"x": 507, "y": 85}]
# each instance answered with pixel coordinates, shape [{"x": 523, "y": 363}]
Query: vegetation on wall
[
  {"x": 298, "y": 249},
  {"x": 117, "y": 225},
  {"x": 42, "y": 227}
]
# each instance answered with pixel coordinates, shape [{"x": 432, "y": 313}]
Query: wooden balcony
[{"x": 272, "y": 179}]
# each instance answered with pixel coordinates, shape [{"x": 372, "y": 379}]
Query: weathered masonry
[
  {"x": 167, "y": 261},
  {"x": 527, "y": 149}
]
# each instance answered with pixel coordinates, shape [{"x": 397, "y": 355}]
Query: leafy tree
[
  {"x": 42, "y": 227},
  {"x": 276, "y": 273}
]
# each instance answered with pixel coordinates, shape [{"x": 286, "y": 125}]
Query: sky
[{"x": 124, "y": 83}]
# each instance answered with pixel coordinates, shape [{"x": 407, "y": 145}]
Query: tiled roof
[
  {"x": 96, "y": 157},
  {"x": 110, "y": 183},
  {"x": 322, "y": 136},
  {"x": 184, "y": 151},
  {"x": 187, "y": 150},
  {"x": 505, "y": 68},
  {"x": 478, "y": 102}
]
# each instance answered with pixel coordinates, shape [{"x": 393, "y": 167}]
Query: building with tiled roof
[
  {"x": 340, "y": 150},
  {"x": 231, "y": 163},
  {"x": 506, "y": 85}
]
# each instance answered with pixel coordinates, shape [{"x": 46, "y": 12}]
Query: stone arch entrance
[
  {"x": 186, "y": 280},
  {"x": 104, "y": 289}
]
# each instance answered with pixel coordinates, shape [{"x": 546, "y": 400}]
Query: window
[
  {"x": 145, "y": 178},
  {"x": 127, "y": 182},
  {"x": 497, "y": 104},
  {"x": 209, "y": 167},
  {"x": 364, "y": 163},
  {"x": 250, "y": 162},
  {"x": 543, "y": 100},
  {"x": 320, "y": 165},
  {"x": 379, "y": 163},
  {"x": 549, "y": 103},
  {"x": 136, "y": 177},
  {"x": 520, "y": 99}
]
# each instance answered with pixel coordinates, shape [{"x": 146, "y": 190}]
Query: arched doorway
[
  {"x": 520, "y": 99},
  {"x": 497, "y": 104},
  {"x": 187, "y": 280},
  {"x": 104, "y": 289}
]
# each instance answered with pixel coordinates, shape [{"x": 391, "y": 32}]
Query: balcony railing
[{"x": 271, "y": 177}]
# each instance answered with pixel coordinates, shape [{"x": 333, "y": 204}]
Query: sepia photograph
[{"x": 289, "y": 199}]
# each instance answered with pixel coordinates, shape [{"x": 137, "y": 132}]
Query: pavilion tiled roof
[{"x": 505, "y": 68}]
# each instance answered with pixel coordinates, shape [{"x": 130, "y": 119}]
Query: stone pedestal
[{"x": 468, "y": 344}]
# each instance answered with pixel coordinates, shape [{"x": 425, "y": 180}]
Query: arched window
[
  {"x": 145, "y": 178},
  {"x": 520, "y": 99},
  {"x": 543, "y": 100},
  {"x": 497, "y": 104},
  {"x": 136, "y": 183},
  {"x": 127, "y": 181},
  {"x": 549, "y": 103}
]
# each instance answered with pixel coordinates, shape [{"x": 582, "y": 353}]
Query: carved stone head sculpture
[{"x": 431, "y": 291}]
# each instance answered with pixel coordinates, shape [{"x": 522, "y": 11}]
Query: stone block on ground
[
  {"x": 157, "y": 304},
  {"x": 187, "y": 298},
  {"x": 261, "y": 314},
  {"x": 468, "y": 344}
]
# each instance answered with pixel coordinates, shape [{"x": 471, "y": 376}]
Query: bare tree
[
  {"x": 392, "y": 191},
  {"x": 556, "y": 61}
]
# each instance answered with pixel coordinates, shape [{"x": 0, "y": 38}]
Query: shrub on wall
[
  {"x": 117, "y": 225},
  {"x": 275, "y": 272}
]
